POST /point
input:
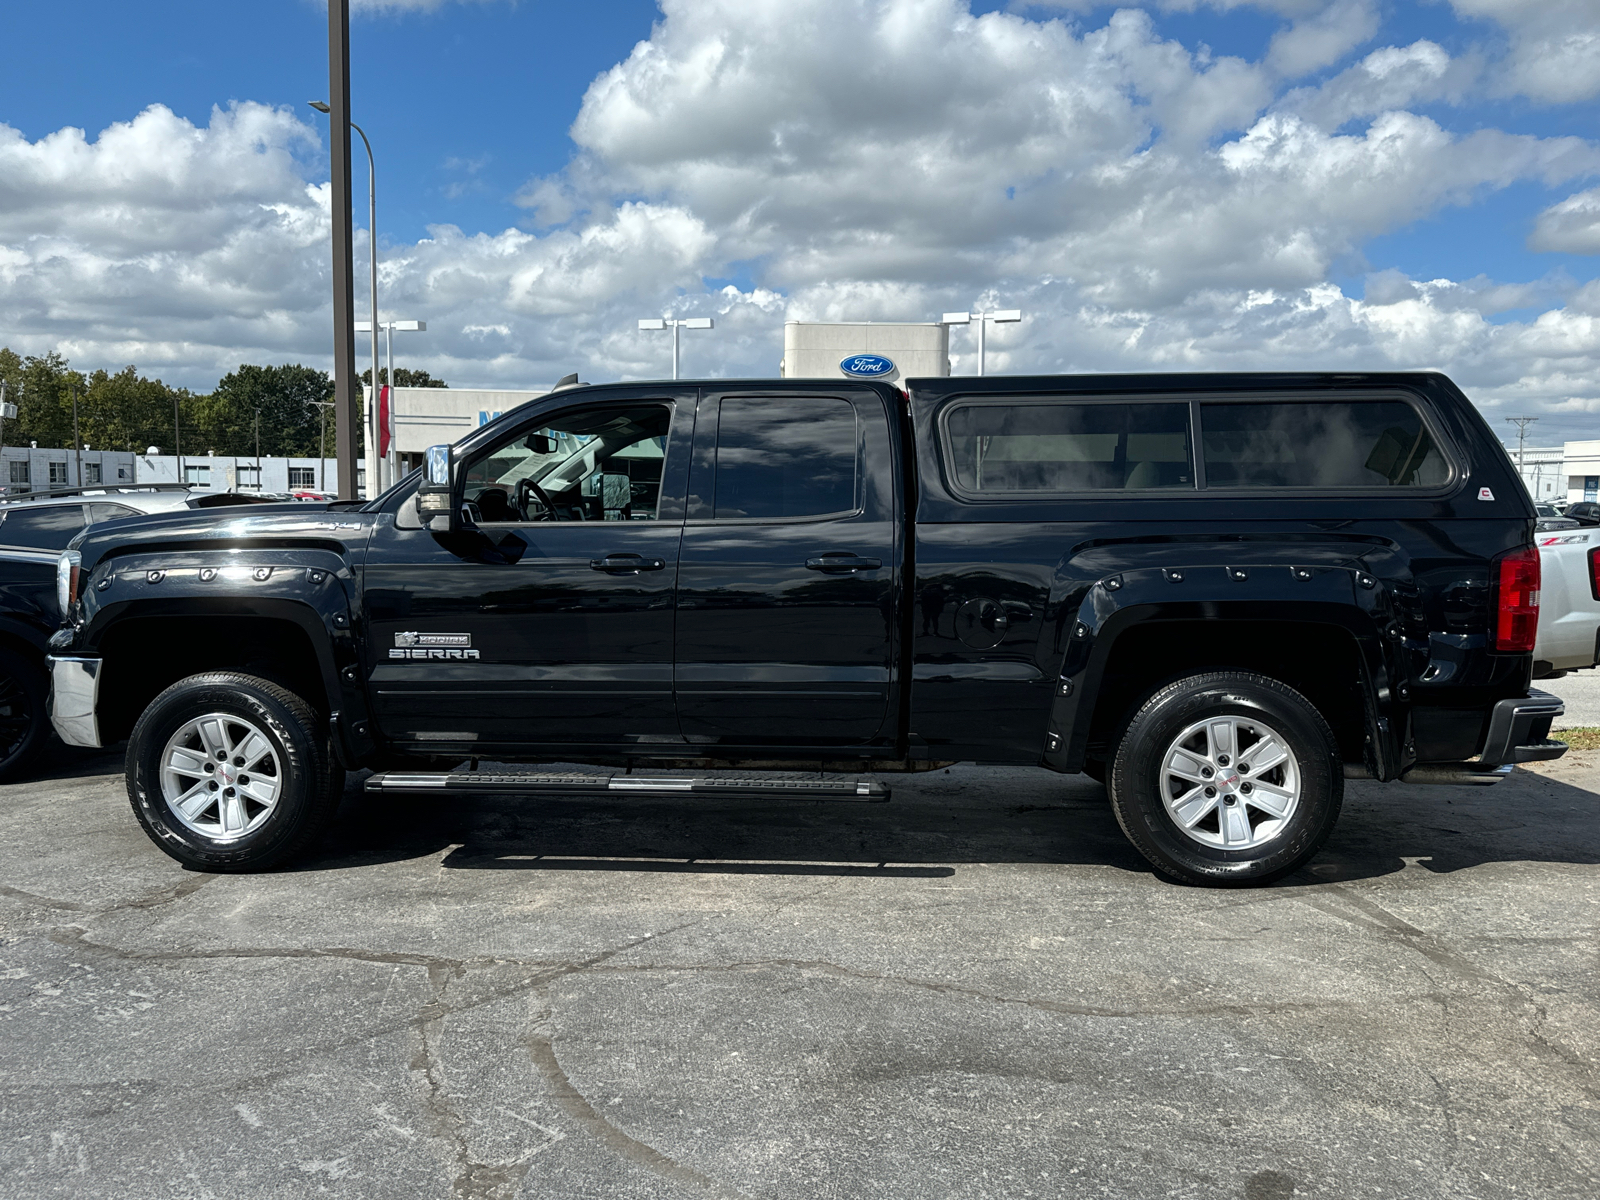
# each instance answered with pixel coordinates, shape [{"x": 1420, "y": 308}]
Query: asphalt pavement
[{"x": 975, "y": 990}]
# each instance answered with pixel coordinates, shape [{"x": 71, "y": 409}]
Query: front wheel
[
  {"x": 228, "y": 772},
  {"x": 24, "y": 719},
  {"x": 1227, "y": 779}
]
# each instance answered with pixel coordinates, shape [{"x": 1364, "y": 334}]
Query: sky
[{"x": 1174, "y": 185}]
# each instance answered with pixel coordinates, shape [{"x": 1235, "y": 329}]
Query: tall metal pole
[
  {"x": 177, "y": 446},
  {"x": 983, "y": 323},
  {"x": 346, "y": 421},
  {"x": 388, "y": 459},
  {"x": 77, "y": 444},
  {"x": 258, "y": 447},
  {"x": 676, "y": 326},
  {"x": 372, "y": 245}
]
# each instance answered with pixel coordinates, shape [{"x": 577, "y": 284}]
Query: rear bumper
[
  {"x": 1519, "y": 731},
  {"x": 74, "y": 692}
]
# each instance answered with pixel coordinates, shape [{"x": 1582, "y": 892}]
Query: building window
[
  {"x": 19, "y": 471},
  {"x": 250, "y": 477},
  {"x": 122, "y": 472},
  {"x": 91, "y": 472},
  {"x": 58, "y": 473},
  {"x": 302, "y": 478},
  {"x": 1591, "y": 488},
  {"x": 197, "y": 476}
]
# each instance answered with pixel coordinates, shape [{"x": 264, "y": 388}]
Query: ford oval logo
[{"x": 866, "y": 366}]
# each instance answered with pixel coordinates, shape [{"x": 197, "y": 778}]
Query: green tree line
[{"x": 127, "y": 411}]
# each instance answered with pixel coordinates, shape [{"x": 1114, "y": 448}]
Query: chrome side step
[{"x": 519, "y": 783}]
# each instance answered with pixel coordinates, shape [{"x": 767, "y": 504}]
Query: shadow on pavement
[{"x": 935, "y": 824}]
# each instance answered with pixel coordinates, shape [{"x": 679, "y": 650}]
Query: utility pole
[
  {"x": 1522, "y": 424},
  {"x": 77, "y": 445},
  {"x": 177, "y": 446},
  {"x": 999, "y": 316},
  {"x": 346, "y": 422},
  {"x": 258, "y": 448},
  {"x": 676, "y": 324}
]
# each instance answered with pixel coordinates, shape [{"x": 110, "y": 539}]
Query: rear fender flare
[{"x": 1348, "y": 598}]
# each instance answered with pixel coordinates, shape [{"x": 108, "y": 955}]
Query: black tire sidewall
[
  {"x": 1135, "y": 783},
  {"x": 35, "y": 685},
  {"x": 300, "y": 756}
]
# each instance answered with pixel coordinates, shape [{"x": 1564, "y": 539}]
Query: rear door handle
[
  {"x": 842, "y": 563},
  {"x": 626, "y": 564}
]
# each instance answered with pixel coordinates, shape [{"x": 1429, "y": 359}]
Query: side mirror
[{"x": 438, "y": 485}]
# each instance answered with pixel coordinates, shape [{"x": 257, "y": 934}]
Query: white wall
[{"x": 813, "y": 350}]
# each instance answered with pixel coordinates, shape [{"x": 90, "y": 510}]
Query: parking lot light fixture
[
  {"x": 1000, "y": 316},
  {"x": 675, "y": 324}
]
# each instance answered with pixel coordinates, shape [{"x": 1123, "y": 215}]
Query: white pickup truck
[{"x": 1569, "y": 602}]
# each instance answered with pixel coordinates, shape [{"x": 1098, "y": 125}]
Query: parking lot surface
[{"x": 975, "y": 990}]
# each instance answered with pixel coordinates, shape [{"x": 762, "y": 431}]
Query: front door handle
[
  {"x": 626, "y": 564},
  {"x": 842, "y": 564}
]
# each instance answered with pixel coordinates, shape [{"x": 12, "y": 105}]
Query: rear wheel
[
  {"x": 24, "y": 721},
  {"x": 1227, "y": 779},
  {"x": 230, "y": 772}
]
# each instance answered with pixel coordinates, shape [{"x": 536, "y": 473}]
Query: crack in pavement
[
  {"x": 166, "y": 895},
  {"x": 540, "y": 1044}
]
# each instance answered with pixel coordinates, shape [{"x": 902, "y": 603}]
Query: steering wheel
[{"x": 527, "y": 487}]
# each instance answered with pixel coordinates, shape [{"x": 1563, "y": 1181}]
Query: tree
[
  {"x": 403, "y": 377},
  {"x": 128, "y": 412},
  {"x": 41, "y": 388},
  {"x": 286, "y": 397}
]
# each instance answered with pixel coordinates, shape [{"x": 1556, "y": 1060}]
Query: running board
[{"x": 520, "y": 783}]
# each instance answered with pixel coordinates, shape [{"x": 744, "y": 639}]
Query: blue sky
[{"x": 1161, "y": 186}]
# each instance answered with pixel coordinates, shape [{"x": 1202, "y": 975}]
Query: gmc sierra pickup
[{"x": 1219, "y": 594}]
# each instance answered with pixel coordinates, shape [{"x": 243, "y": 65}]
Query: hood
[{"x": 279, "y": 526}]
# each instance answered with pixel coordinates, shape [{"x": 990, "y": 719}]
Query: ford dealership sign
[{"x": 866, "y": 366}]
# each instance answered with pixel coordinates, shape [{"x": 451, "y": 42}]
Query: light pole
[
  {"x": 390, "y": 460},
  {"x": 999, "y": 316},
  {"x": 372, "y": 244},
  {"x": 675, "y": 324}
]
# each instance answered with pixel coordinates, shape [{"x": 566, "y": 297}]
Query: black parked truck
[{"x": 1219, "y": 594}]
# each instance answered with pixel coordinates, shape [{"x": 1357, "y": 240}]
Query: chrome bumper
[{"x": 74, "y": 688}]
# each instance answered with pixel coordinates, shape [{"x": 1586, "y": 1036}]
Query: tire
[
  {"x": 24, "y": 712},
  {"x": 1245, "y": 831},
  {"x": 189, "y": 761}
]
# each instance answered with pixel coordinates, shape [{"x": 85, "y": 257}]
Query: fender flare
[{"x": 1347, "y": 598}]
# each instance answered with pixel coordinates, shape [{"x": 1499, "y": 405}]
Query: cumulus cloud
[
  {"x": 1150, "y": 205},
  {"x": 1555, "y": 46}
]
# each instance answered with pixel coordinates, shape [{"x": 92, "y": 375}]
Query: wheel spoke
[
  {"x": 1192, "y": 807},
  {"x": 1185, "y": 765},
  {"x": 231, "y": 810},
  {"x": 1270, "y": 798},
  {"x": 1266, "y": 754},
  {"x": 1235, "y": 825},
  {"x": 194, "y": 801},
  {"x": 253, "y": 749},
  {"x": 213, "y": 736},
  {"x": 188, "y": 762},
  {"x": 261, "y": 789},
  {"x": 1221, "y": 735}
]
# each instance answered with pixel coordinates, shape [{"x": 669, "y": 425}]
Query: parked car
[
  {"x": 1585, "y": 512},
  {"x": 1569, "y": 603},
  {"x": 1221, "y": 594},
  {"x": 1547, "y": 518},
  {"x": 34, "y": 528}
]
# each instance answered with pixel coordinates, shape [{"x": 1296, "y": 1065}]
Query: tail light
[
  {"x": 1517, "y": 601},
  {"x": 1594, "y": 572}
]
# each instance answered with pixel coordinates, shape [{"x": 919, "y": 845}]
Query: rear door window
[
  {"x": 782, "y": 458},
  {"x": 42, "y": 528},
  {"x": 1049, "y": 445},
  {"x": 1319, "y": 444}
]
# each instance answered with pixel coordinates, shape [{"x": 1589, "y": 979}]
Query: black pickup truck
[{"x": 1219, "y": 594}]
